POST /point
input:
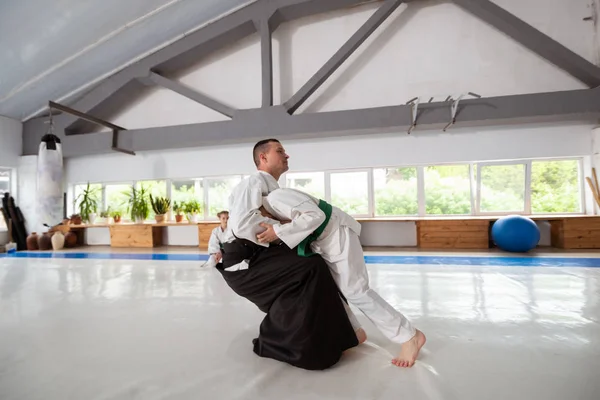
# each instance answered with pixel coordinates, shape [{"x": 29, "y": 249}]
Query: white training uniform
[
  {"x": 340, "y": 247},
  {"x": 245, "y": 217},
  {"x": 244, "y": 203},
  {"x": 218, "y": 236}
]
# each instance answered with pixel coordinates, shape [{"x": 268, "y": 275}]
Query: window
[
  {"x": 312, "y": 183},
  {"x": 447, "y": 190},
  {"x": 183, "y": 191},
  {"x": 350, "y": 191},
  {"x": 4, "y": 188},
  {"x": 95, "y": 192},
  {"x": 218, "y": 194},
  {"x": 396, "y": 191},
  {"x": 154, "y": 188},
  {"x": 501, "y": 188},
  {"x": 117, "y": 197},
  {"x": 556, "y": 186}
]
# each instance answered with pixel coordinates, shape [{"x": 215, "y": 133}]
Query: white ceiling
[{"x": 53, "y": 49}]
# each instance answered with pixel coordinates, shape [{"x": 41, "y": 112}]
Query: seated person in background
[
  {"x": 218, "y": 236},
  {"x": 317, "y": 227}
]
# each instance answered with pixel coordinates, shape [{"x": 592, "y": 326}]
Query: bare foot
[
  {"x": 410, "y": 351},
  {"x": 361, "y": 335}
]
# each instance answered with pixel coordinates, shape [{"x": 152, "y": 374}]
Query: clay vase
[
  {"x": 179, "y": 217},
  {"x": 58, "y": 241},
  {"x": 44, "y": 241},
  {"x": 70, "y": 239},
  {"x": 32, "y": 241}
]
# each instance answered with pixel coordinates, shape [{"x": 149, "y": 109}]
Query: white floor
[{"x": 122, "y": 329}]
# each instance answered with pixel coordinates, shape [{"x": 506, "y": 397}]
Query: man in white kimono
[
  {"x": 317, "y": 227},
  {"x": 306, "y": 324},
  {"x": 218, "y": 236}
]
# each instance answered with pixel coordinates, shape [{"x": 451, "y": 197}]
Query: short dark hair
[
  {"x": 261, "y": 147},
  {"x": 221, "y": 213}
]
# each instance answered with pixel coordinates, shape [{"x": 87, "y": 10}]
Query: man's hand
[
  {"x": 265, "y": 213},
  {"x": 267, "y": 236},
  {"x": 218, "y": 256}
]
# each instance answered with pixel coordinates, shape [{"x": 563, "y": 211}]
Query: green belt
[{"x": 304, "y": 249}]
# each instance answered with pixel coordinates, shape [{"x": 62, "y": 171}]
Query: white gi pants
[{"x": 343, "y": 253}]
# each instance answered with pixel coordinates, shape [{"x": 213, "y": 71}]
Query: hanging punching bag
[{"x": 49, "y": 202}]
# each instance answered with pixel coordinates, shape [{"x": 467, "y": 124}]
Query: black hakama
[{"x": 306, "y": 324}]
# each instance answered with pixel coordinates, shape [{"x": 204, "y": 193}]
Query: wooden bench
[
  {"x": 146, "y": 235},
  {"x": 465, "y": 232},
  {"x": 576, "y": 233},
  {"x": 473, "y": 232}
]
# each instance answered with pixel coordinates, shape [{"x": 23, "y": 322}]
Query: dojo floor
[{"x": 108, "y": 326}]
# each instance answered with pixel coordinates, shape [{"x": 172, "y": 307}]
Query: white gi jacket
[
  {"x": 244, "y": 203},
  {"x": 217, "y": 237},
  {"x": 306, "y": 216}
]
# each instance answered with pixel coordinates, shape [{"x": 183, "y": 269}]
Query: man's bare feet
[
  {"x": 410, "y": 351},
  {"x": 361, "y": 335}
]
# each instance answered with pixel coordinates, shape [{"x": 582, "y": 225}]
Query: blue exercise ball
[{"x": 515, "y": 233}]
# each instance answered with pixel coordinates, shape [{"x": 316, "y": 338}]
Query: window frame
[
  {"x": 526, "y": 194},
  {"x": 420, "y": 192},
  {"x": 423, "y": 198},
  {"x": 205, "y": 187},
  {"x": 582, "y": 185},
  {"x": 370, "y": 191}
]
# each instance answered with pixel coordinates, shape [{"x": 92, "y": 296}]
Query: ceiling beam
[
  {"x": 250, "y": 125},
  {"x": 190, "y": 94},
  {"x": 351, "y": 45},
  {"x": 266, "y": 59},
  {"x": 191, "y": 48},
  {"x": 533, "y": 39}
]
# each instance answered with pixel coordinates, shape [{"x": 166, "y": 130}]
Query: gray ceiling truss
[{"x": 262, "y": 18}]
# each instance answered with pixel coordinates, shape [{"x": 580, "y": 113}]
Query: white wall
[
  {"x": 424, "y": 49},
  {"x": 459, "y": 145},
  {"x": 11, "y": 141}
]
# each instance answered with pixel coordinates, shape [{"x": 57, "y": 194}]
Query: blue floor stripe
[{"x": 531, "y": 261}]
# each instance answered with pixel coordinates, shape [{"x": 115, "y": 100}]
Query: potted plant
[
  {"x": 138, "y": 205},
  {"x": 160, "y": 205},
  {"x": 191, "y": 210},
  {"x": 76, "y": 219},
  {"x": 88, "y": 204},
  {"x": 116, "y": 215},
  {"x": 104, "y": 216},
  {"x": 178, "y": 211}
]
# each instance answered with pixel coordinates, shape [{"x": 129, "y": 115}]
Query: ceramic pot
[
  {"x": 58, "y": 241},
  {"x": 70, "y": 239},
  {"x": 44, "y": 241},
  {"x": 32, "y": 241}
]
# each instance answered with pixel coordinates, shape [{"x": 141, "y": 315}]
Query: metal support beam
[
  {"x": 190, "y": 48},
  {"x": 342, "y": 55},
  {"x": 250, "y": 125},
  {"x": 85, "y": 116},
  {"x": 533, "y": 39},
  {"x": 115, "y": 144},
  {"x": 266, "y": 58},
  {"x": 119, "y": 100},
  {"x": 190, "y": 94},
  {"x": 115, "y": 128}
]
